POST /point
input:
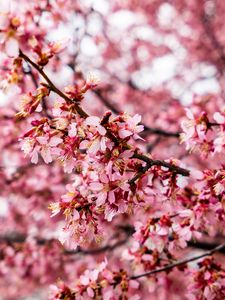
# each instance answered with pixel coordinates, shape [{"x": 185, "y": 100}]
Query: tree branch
[
  {"x": 98, "y": 250},
  {"x": 82, "y": 113},
  {"x": 78, "y": 109},
  {"x": 151, "y": 162},
  {"x": 147, "y": 129},
  {"x": 17, "y": 238},
  {"x": 179, "y": 263}
]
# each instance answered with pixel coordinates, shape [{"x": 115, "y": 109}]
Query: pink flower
[
  {"x": 8, "y": 32},
  {"x": 55, "y": 208},
  {"x": 90, "y": 277},
  {"x": 184, "y": 234},
  {"x": 92, "y": 81},
  {"x": 45, "y": 145},
  {"x": 219, "y": 118},
  {"x": 110, "y": 192},
  {"x": 131, "y": 127},
  {"x": 95, "y": 122},
  {"x": 98, "y": 141},
  {"x": 195, "y": 133},
  {"x": 72, "y": 130}
]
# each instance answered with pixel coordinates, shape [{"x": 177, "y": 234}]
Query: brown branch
[
  {"x": 209, "y": 32},
  {"x": 204, "y": 245},
  {"x": 51, "y": 85},
  {"x": 82, "y": 113},
  {"x": 126, "y": 229},
  {"x": 18, "y": 238},
  {"x": 34, "y": 80},
  {"x": 147, "y": 129},
  {"x": 31, "y": 74},
  {"x": 180, "y": 262},
  {"x": 151, "y": 162},
  {"x": 98, "y": 250}
]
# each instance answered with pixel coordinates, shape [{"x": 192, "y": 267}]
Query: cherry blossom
[{"x": 112, "y": 150}]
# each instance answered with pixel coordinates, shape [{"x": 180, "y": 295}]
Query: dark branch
[
  {"x": 17, "y": 238},
  {"x": 180, "y": 263},
  {"x": 51, "y": 85},
  {"x": 83, "y": 114},
  {"x": 147, "y": 129}
]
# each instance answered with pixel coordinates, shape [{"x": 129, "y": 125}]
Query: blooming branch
[{"x": 180, "y": 263}]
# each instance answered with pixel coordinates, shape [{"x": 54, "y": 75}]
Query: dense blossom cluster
[
  {"x": 106, "y": 189},
  {"x": 99, "y": 283},
  {"x": 199, "y": 133}
]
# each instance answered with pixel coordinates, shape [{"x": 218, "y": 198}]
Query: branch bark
[
  {"x": 51, "y": 85},
  {"x": 179, "y": 263},
  {"x": 147, "y": 129},
  {"x": 13, "y": 239},
  {"x": 82, "y": 113}
]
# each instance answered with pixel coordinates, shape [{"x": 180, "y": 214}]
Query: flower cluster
[
  {"x": 44, "y": 53},
  {"x": 31, "y": 102},
  {"x": 201, "y": 134},
  {"x": 159, "y": 239},
  {"x": 99, "y": 283},
  {"x": 9, "y": 28},
  {"x": 208, "y": 281},
  {"x": 119, "y": 187},
  {"x": 41, "y": 139}
]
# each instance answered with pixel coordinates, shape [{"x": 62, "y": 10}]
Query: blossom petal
[
  {"x": 92, "y": 121},
  {"x": 54, "y": 141},
  {"x": 12, "y": 47},
  {"x": 123, "y": 133}
]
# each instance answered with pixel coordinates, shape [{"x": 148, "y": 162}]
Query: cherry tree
[{"x": 112, "y": 149}]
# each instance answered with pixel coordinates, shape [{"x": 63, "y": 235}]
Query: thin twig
[
  {"x": 179, "y": 263},
  {"x": 152, "y": 162},
  {"x": 16, "y": 238},
  {"x": 147, "y": 129},
  {"x": 82, "y": 113},
  {"x": 97, "y": 250},
  {"x": 78, "y": 109}
]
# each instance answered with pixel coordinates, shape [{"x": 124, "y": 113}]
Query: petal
[
  {"x": 46, "y": 155},
  {"x": 104, "y": 178},
  {"x": 101, "y": 130},
  {"x": 54, "y": 141},
  {"x": 90, "y": 292},
  {"x": 96, "y": 186},
  {"x": 5, "y": 6},
  {"x": 92, "y": 121},
  {"x": 43, "y": 140},
  {"x": 101, "y": 199},
  {"x": 84, "y": 280},
  {"x": 189, "y": 113},
  {"x": 110, "y": 213},
  {"x": 84, "y": 144},
  {"x": 12, "y": 47},
  {"x": 134, "y": 284},
  {"x": 220, "y": 119},
  {"x": 76, "y": 215},
  {"x": 111, "y": 197},
  {"x": 123, "y": 133},
  {"x": 4, "y": 22},
  {"x": 34, "y": 156},
  {"x": 137, "y": 119},
  {"x": 139, "y": 128},
  {"x": 94, "y": 147},
  {"x": 73, "y": 130},
  {"x": 103, "y": 144},
  {"x": 94, "y": 275}
]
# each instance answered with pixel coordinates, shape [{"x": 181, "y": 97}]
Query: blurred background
[{"x": 152, "y": 57}]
